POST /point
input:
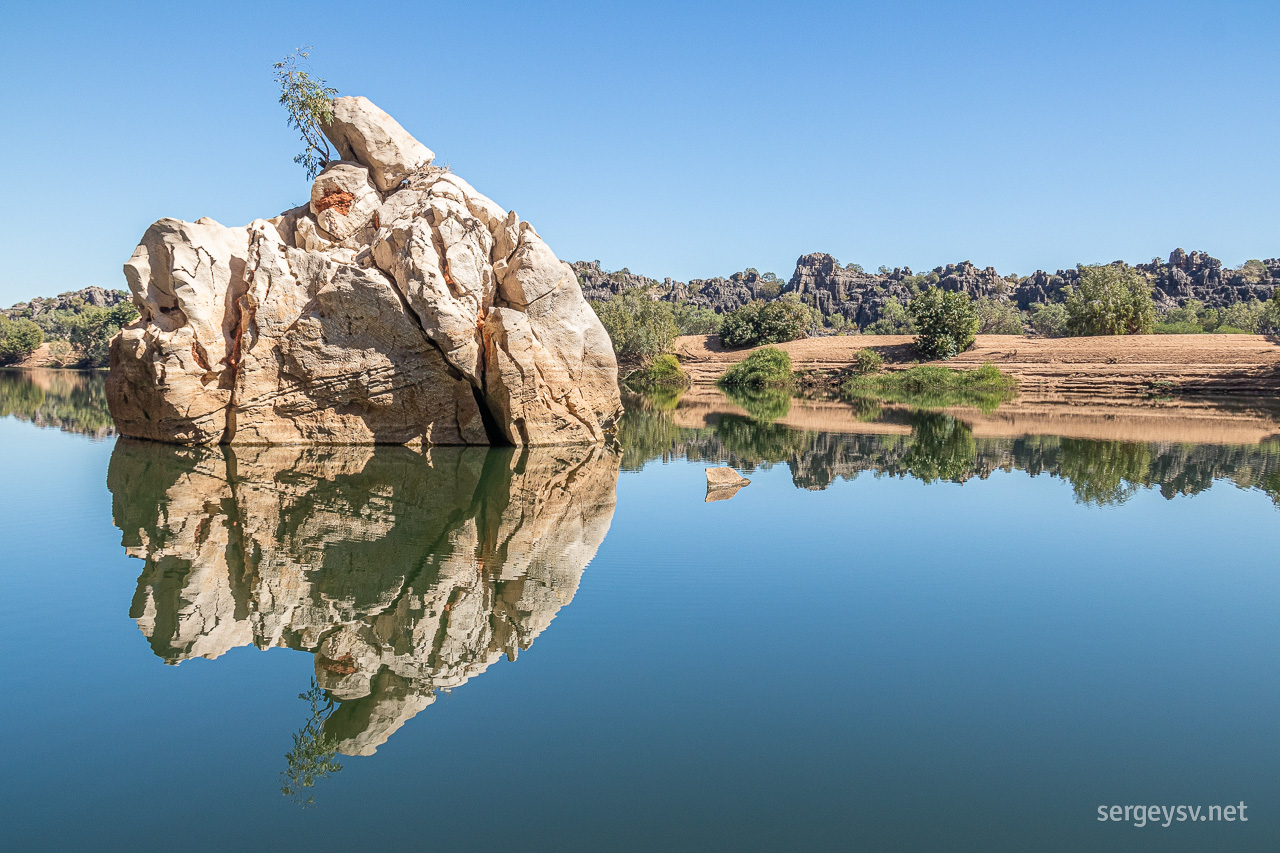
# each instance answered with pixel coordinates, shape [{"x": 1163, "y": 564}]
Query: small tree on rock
[{"x": 310, "y": 104}]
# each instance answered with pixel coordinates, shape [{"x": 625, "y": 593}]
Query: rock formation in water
[
  {"x": 404, "y": 574},
  {"x": 398, "y": 306},
  {"x": 723, "y": 483}
]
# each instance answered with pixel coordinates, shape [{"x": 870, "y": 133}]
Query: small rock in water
[{"x": 723, "y": 483}]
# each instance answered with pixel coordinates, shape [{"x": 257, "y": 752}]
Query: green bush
[
  {"x": 894, "y": 320},
  {"x": 945, "y": 322},
  {"x": 1049, "y": 320},
  {"x": 94, "y": 328},
  {"x": 768, "y": 367},
  {"x": 867, "y": 361},
  {"x": 1179, "y": 328},
  {"x": 691, "y": 320},
  {"x": 18, "y": 339},
  {"x": 664, "y": 370},
  {"x": 776, "y": 322},
  {"x": 999, "y": 317},
  {"x": 1110, "y": 300},
  {"x": 641, "y": 328}
]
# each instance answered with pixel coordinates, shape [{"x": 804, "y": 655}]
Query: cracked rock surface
[{"x": 398, "y": 306}]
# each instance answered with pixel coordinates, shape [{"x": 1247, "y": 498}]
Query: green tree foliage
[
  {"x": 314, "y": 752},
  {"x": 867, "y": 361},
  {"x": 18, "y": 339},
  {"x": 1193, "y": 317},
  {"x": 945, "y": 322},
  {"x": 758, "y": 322},
  {"x": 663, "y": 371},
  {"x": 1049, "y": 320},
  {"x": 770, "y": 286},
  {"x": 999, "y": 317},
  {"x": 1104, "y": 473},
  {"x": 767, "y": 367},
  {"x": 641, "y": 328},
  {"x": 942, "y": 448},
  {"x": 894, "y": 320},
  {"x": 692, "y": 320},
  {"x": 1110, "y": 299},
  {"x": 309, "y": 102},
  {"x": 931, "y": 386},
  {"x": 93, "y": 329}
]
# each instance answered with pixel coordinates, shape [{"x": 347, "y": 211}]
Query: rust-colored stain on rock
[{"x": 336, "y": 199}]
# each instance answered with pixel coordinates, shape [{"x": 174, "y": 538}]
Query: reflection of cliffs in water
[
  {"x": 941, "y": 447},
  {"x": 69, "y": 400},
  {"x": 404, "y": 573}
]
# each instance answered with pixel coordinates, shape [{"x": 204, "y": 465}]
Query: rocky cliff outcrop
[
  {"x": 860, "y": 297},
  {"x": 398, "y": 306},
  {"x": 404, "y": 574},
  {"x": 74, "y": 301}
]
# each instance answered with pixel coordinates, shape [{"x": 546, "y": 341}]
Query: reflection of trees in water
[
  {"x": 315, "y": 752},
  {"x": 405, "y": 574},
  {"x": 941, "y": 447},
  {"x": 70, "y": 400}
]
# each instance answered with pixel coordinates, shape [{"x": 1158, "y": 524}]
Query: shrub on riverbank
[
  {"x": 931, "y": 387},
  {"x": 639, "y": 327},
  {"x": 768, "y": 367},
  {"x": 867, "y": 361},
  {"x": 18, "y": 339},
  {"x": 1110, "y": 299},
  {"x": 785, "y": 319},
  {"x": 663, "y": 372},
  {"x": 945, "y": 322}
]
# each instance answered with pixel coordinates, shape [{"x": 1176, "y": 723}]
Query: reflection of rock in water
[{"x": 404, "y": 573}]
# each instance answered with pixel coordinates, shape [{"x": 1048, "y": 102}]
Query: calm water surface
[{"x": 917, "y": 639}]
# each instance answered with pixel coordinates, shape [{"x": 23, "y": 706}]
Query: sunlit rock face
[
  {"x": 398, "y": 306},
  {"x": 403, "y": 573}
]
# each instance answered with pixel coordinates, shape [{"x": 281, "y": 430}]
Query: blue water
[{"x": 881, "y": 664}]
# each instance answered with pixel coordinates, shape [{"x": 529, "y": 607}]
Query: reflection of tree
[
  {"x": 764, "y": 405},
  {"x": 942, "y": 448},
  {"x": 314, "y": 753},
  {"x": 70, "y": 400},
  {"x": 1104, "y": 473}
]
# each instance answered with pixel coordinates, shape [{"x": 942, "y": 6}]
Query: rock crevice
[{"x": 398, "y": 306}]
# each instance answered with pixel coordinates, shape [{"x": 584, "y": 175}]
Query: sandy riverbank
[{"x": 1064, "y": 368}]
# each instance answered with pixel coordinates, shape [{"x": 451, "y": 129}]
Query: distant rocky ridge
[
  {"x": 75, "y": 300},
  {"x": 859, "y": 296}
]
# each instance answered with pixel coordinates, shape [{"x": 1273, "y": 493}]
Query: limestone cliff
[{"x": 398, "y": 306}]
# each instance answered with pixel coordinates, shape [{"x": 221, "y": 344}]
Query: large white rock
[
  {"x": 407, "y": 318},
  {"x": 343, "y": 199},
  {"x": 362, "y": 132}
]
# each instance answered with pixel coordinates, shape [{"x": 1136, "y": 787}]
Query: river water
[{"x": 913, "y": 634}]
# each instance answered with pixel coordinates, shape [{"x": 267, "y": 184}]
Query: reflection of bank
[{"x": 405, "y": 573}]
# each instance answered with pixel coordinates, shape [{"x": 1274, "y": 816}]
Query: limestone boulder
[
  {"x": 398, "y": 306},
  {"x": 362, "y": 132},
  {"x": 343, "y": 199}
]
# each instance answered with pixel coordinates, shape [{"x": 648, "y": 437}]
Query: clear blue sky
[{"x": 685, "y": 139}]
